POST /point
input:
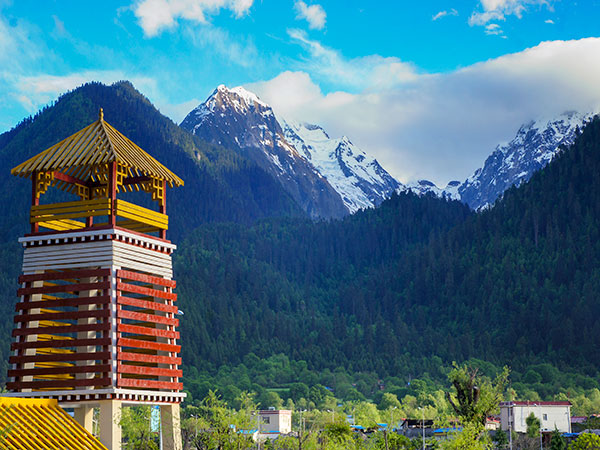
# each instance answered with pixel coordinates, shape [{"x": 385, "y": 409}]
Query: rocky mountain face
[
  {"x": 359, "y": 179},
  {"x": 327, "y": 177},
  {"x": 535, "y": 145}
]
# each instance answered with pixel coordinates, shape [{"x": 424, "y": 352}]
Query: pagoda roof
[
  {"x": 41, "y": 423},
  {"x": 97, "y": 144}
]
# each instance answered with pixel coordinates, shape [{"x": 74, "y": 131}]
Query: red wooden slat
[
  {"x": 64, "y": 288},
  {"x": 145, "y": 304},
  {"x": 136, "y": 343},
  {"x": 149, "y": 371},
  {"x": 64, "y": 275},
  {"x": 141, "y": 357},
  {"x": 100, "y": 368},
  {"x": 58, "y": 383},
  {"x": 58, "y": 343},
  {"x": 144, "y": 317},
  {"x": 146, "y": 331},
  {"x": 73, "y": 301},
  {"x": 145, "y": 291},
  {"x": 149, "y": 384},
  {"x": 68, "y": 315},
  {"x": 65, "y": 329},
  {"x": 135, "y": 276},
  {"x": 92, "y": 356}
]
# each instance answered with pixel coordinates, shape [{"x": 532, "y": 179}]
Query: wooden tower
[{"x": 95, "y": 326}]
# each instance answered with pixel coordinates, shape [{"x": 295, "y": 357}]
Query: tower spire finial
[{"x": 101, "y": 114}]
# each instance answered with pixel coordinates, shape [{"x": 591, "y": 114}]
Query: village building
[
  {"x": 552, "y": 415},
  {"x": 274, "y": 422}
]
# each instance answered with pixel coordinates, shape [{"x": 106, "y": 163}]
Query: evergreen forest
[{"x": 379, "y": 302}]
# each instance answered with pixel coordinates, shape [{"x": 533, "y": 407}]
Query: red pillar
[
  {"x": 112, "y": 193},
  {"x": 35, "y": 200},
  {"x": 163, "y": 208}
]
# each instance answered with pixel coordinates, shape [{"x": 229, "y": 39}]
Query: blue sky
[{"x": 429, "y": 88}]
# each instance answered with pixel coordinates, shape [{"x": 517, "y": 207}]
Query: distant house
[
  {"x": 416, "y": 423},
  {"x": 552, "y": 415},
  {"x": 492, "y": 423},
  {"x": 274, "y": 422}
]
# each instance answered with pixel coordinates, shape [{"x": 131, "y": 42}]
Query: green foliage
[
  {"x": 475, "y": 396},
  {"x": 501, "y": 439},
  {"x": 471, "y": 437},
  {"x": 586, "y": 441},
  {"x": 557, "y": 442},
  {"x": 135, "y": 425},
  {"x": 533, "y": 425}
]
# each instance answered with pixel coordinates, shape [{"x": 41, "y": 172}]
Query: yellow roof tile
[
  {"x": 41, "y": 424},
  {"x": 96, "y": 144}
]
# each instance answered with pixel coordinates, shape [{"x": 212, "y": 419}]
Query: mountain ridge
[{"x": 237, "y": 118}]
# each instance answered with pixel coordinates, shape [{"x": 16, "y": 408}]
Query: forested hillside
[
  {"x": 395, "y": 292},
  {"x": 387, "y": 289},
  {"x": 219, "y": 184}
]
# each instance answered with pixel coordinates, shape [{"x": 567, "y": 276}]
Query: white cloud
[
  {"x": 452, "y": 12},
  {"x": 443, "y": 126},
  {"x": 157, "y": 15},
  {"x": 499, "y": 9},
  {"x": 493, "y": 28},
  {"x": 314, "y": 14},
  {"x": 371, "y": 71},
  {"x": 550, "y": 21},
  {"x": 239, "y": 50},
  {"x": 35, "y": 91}
]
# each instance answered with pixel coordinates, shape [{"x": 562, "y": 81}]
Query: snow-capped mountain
[
  {"x": 327, "y": 177},
  {"x": 535, "y": 145},
  {"x": 239, "y": 120},
  {"x": 359, "y": 179},
  {"x": 422, "y": 187}
]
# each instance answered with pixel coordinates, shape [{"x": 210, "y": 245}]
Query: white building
[
  {"x": 274, "y": 422},
  {"x": 552, "y": 415}
]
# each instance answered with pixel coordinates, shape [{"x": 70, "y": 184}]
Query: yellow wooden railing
[{"x": 63, "y": 216}]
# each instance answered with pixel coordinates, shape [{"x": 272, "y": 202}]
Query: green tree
[
  {"x": 586, "y": 441},
  {"x": 135, "y": 426},
  {"x": 475, "y": 396},
  {"x": 472, "y": 437},
  {"x": 533, "y": 425},
  {"x": 501, "y": 439},
  {"x": 557, "y": 442}
]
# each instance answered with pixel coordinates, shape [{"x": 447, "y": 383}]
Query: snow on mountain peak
[
  {"x": 535, "y": 145},
  {"x": 358, "y": 178}
]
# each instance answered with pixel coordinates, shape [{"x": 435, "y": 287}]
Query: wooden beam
[
  {"x": 57, "y": 357},
  {"x": 147, "y": 331},
  {"x": 145, "y": 291},
  {"x": 66, "y": 275},
  {"x": 136, "y": 343},
  {"x": 18, "y": 385},
  {"x": 73, "y": 301},
  {"x": 66, "y": 315},
  {"x": 136, "y": 180},
  {"x": 69, "y": 179},
  {"x": 148, "y": 384},
  {"x": 155, "y": 359},
  {"x": 149, "y": 371},
  {"x": 35, "y": 199},
  {"x": 112, "y": 193},
  {"x": 65, "y": 329},
  {"x": 142, "y": 277},
  {"x": 100, "y": 368},
  {"x": 76, "y": 287},
  {"x": 146, "y": 304},
  {"x": 145, "y": 317},
  {"x": 60, "y": 343}
]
